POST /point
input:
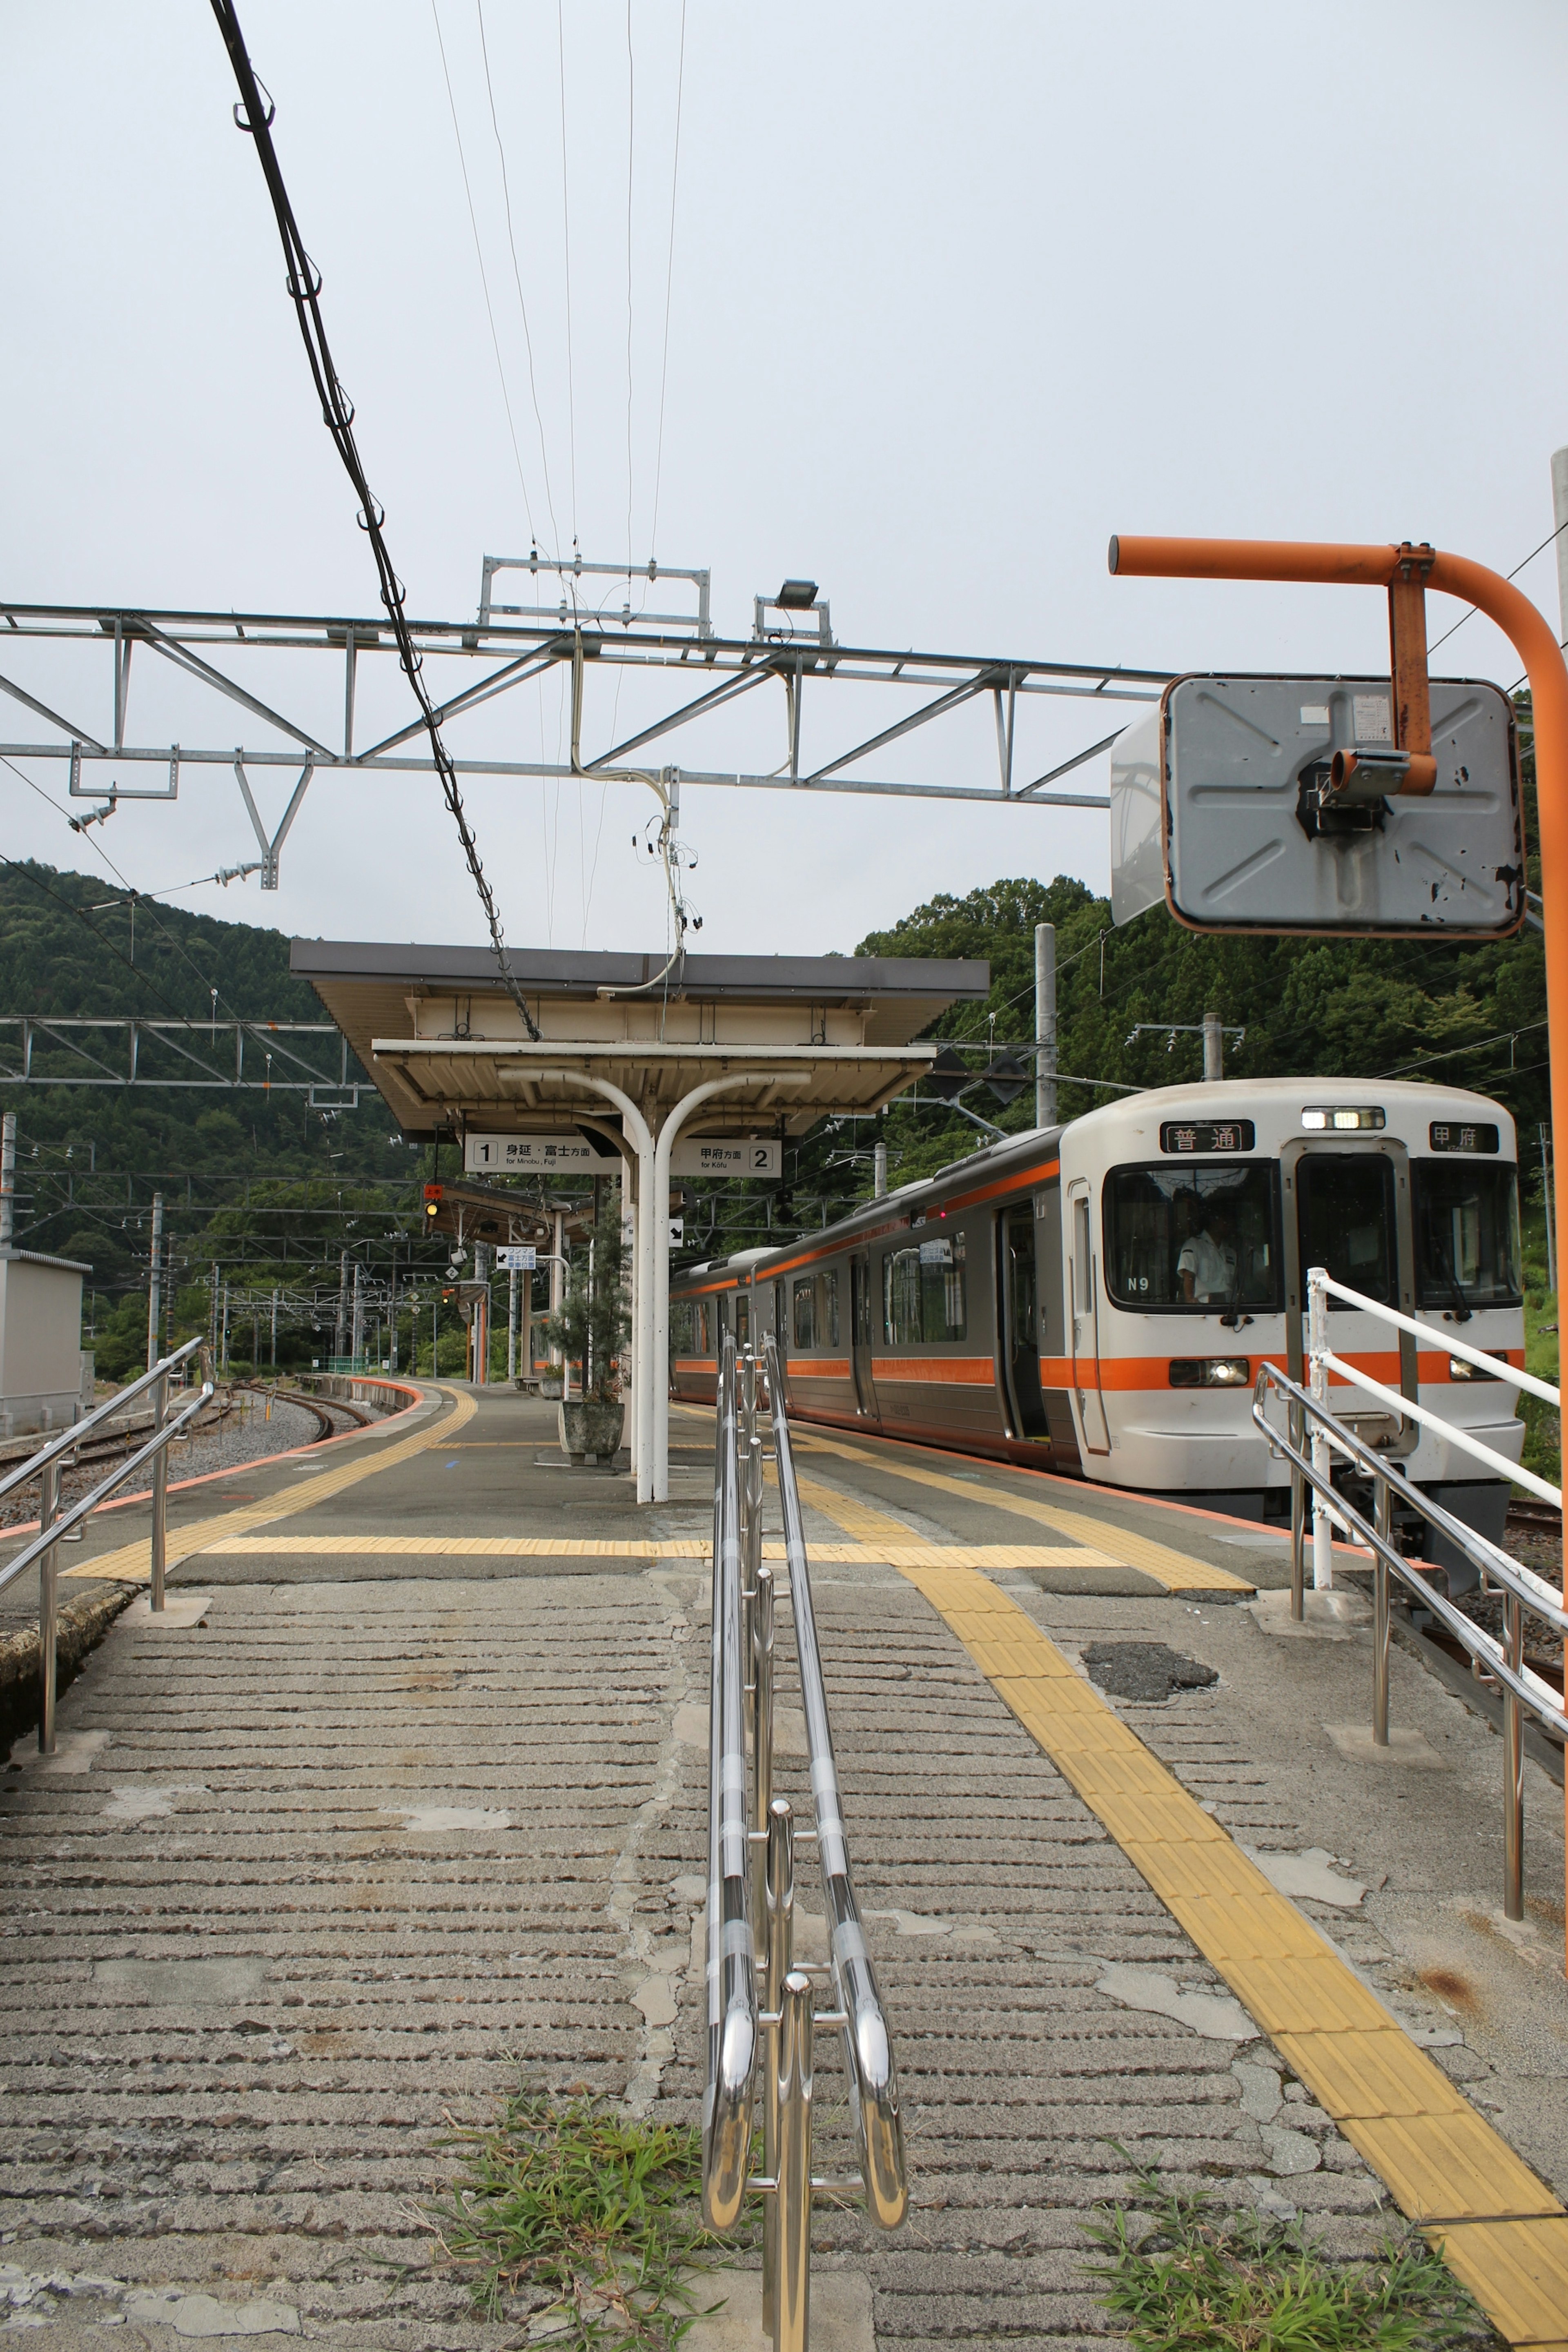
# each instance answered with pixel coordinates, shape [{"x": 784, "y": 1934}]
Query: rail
[
  {"x": 54, "y": 1526},
  {"x": 751, "y": 1892},
  {"x": 1312, "y": 1436}
]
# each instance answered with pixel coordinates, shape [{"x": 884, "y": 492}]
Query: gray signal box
[{"x": 1220, "y": 808}]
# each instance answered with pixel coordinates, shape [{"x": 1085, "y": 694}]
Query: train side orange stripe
[
  {"x": 1155, "y": 1371},
  {"x": 1014, "y": 1183},
  {"x": 969, "y": 1372}
]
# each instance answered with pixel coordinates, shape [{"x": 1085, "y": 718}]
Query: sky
[{"x": 919, "y": 303}]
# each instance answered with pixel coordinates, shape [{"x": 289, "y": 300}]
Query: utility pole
[
  {"x": 878, "y": 1172},
  {"x": 341, "y": 1328},
  {"x": 223, "y": 1348},
  {"x": 392, "y": 1313},
  {"x": 212, "y": 1318},
  {"x": 275, "y": 1329},
  {"x": 356, "y": 1348},
  {"x": 511, "y": 1324},
  {"x": 480, "y": 1328},
  {"x": 1045, "y": 1024},
  {"x": 7, "y": 1180},
  {"x": 558, "y": 1289},
  {"x": 153, "y": 1294},
  {"x": 1214, "y": 1046}
]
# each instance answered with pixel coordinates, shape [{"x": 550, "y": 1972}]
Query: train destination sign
[
  {"x": 1453, "y": 1134},
  {"x": 1222, "y": 809},
  {"x": 1187, "y": 1135},
  {"x": 587, "y": 1155}
]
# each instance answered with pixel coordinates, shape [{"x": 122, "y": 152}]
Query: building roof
[{"x": 445, "y": 1044}]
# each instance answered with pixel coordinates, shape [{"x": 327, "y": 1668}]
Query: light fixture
[
  {"x": 1461, "y": 1368},
  {"x": 1210, "y": 1371},
  {"x": 1343, "y": 1119},
  {"x": 797, "y": 596}
]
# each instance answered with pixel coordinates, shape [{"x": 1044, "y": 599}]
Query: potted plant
[{"x": 590, "y": 1330}]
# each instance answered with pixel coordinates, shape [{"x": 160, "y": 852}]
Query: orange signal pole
[{"x": 1532, "y": 639}]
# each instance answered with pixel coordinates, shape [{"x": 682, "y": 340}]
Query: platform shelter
[{"x": 638, "y": 1051}]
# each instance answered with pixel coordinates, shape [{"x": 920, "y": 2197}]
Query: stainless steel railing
[
  {"x": 55, "y": 1526},
  {"x": 1311, "y": 1437},
  {"x": 750, "y": 1890}
]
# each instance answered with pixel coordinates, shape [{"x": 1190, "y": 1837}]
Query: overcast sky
[{"x": 955, "y": 294}]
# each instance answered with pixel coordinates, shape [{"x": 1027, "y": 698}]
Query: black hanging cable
[{"x": 304, "y": 282}]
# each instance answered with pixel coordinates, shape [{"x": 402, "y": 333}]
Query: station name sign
[{"x": 577, "y": 1155}]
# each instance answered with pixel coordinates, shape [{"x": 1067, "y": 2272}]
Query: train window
[
  {"x": 742, "y": 1317},
  {"x": 1467, "y": 1234},
  {"x": 1345, "y": 1202},
  {"x": 922, "y": 1293},
  {"x": 830, "y": 1307},
  {"x": 1180, "y": 1236},
  {"x": 805, "y": 1306},
  {"x": 682, "y": 1321}
]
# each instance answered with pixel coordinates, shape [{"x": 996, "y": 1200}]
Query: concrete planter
[{"x": 588, "y": 1429}]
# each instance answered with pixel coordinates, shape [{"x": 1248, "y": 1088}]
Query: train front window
[
  {"x": 1346, "y": 1210},
  {"x": 1467, "y": 1234},
  {"x": 1184, "y": 1236}
]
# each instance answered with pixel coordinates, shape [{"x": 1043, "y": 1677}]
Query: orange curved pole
[{"x": 1532, "y": 639}]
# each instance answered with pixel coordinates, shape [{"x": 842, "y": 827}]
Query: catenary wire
[
  {"x": 484, "y": 276},
  {"x": 1469, "y": 614},
  {"x": 566, "y": 242},
  {"x": 631, "y": 165},
  {"x": 337, "y": 410},
  {"x": 668, "y": 283},
  {"x": 517, "y": 276}
]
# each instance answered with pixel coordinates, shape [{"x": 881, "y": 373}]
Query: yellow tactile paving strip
[
  {"x": 1499, "y": 2229},
  {"x": 132, "y": 1563},
  {"x": 1173, "y": 1570},
  {"x": 903, "y": 1555}
]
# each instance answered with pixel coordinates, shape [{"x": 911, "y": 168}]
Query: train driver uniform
[{"x": 1206, "y": 1267}]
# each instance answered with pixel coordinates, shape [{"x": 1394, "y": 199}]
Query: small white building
[{"x": 45, "y": 1379}]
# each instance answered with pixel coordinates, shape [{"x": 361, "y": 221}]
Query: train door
[
  {"x": 1018, "y": 1321},
  {"x": 1347, "y": 1207},
  {"x": 860, "y": 1332},
  {"x": 1083, "y": 1277},
  {"x": 742, "y": 1320}
]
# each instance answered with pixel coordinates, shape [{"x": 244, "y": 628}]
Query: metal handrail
[
  {"x": 1494, "y": 1366},
  {"x": 750, "y": 1890},
  {"x": 867, "y": 2046},
  {"x": 55, "y": 1527},
  {"x": 731, "y": 1954},
  {"x": 1503, "y": 1662},
  {"x": 115, "y": 1405}
]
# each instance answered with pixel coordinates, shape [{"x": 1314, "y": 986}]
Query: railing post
[
  {"x": 762, "y": 1746},
  {"x": 48, "y": 1511},
  {"x": 779, "y": 1888},
  {"x": 1383, "y": 1524},
  {"x": 792, "y": 2197},
  {"x": 160, "y": 1492},
  {"x": 1513, "y": 1765},
  {"x": 1298, "y": 1520},
  {"x": 1322, "y": 1459}
]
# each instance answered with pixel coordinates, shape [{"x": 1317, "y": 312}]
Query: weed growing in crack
[
  {"x": 1206, "y": 2280},
  {"x": 574, "y": 2208}
]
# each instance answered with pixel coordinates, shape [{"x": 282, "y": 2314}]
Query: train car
[{"x": 1094, "y": 1298}]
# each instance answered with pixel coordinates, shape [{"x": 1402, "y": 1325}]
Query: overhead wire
[
  {"x": 631, "y": 165},
  {"x": 516, "y": 277},
  {"x": 337, "y": 410},
  {"x": 668, "y": 284},
  {"x": 566, "y": 239},
  {"x": 484, "y": 274}
]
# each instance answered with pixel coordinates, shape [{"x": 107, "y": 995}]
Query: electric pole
[
  {"x": 1045, "y": 1024},
  {"x": 1214, "y": 1046},
  {"x": 154, "y": 1255}
]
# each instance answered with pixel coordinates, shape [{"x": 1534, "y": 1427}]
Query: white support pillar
[{"x": 656, "y": 1214}]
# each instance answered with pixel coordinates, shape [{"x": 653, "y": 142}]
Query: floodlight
[{"x": 797, "y": 596}]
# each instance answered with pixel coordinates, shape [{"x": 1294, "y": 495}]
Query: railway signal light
[{"x": 433, "y": 1198}]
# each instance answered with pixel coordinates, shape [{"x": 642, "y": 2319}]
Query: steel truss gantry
[
  {"x": 788, "y": 650},
  {"x": 195, "y": 1048}
]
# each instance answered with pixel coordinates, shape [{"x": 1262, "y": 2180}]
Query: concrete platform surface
[{"x": 357, "y": 1839}]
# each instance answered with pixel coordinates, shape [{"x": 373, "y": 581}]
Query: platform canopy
[
  {"x": 641, "y": 1050},
  {"x": 446, "y": 1047}
]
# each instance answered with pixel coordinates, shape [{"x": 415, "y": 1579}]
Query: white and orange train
[{"x": 1095, "y": 1298}]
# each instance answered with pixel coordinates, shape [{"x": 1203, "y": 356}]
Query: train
[{"x": 1093, "y": 1299}]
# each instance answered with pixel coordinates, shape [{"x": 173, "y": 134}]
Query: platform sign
[
  {"x": 677, "y": 1231},
  {"x": 554, "y": 1155},
  {"x": 728, "y": 1155},
  {"x": 516, "y": 1258},
  {"x": 1221, "y": 809}
]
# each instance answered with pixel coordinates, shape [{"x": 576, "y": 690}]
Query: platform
[{"x": 408, "y": 1793}]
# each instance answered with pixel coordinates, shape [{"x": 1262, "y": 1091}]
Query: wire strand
[
  {"x": 517, "y": 275},
  {"x": 566, "y": 240},
  {"x": 668, "y": 283},
  {"x": 631, "y": 161},
  {"x": 337, "y": 412}
]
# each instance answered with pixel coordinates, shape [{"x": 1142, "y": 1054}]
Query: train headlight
[
  {"x": 1461, "y": 1368},
  {"x": 1210, "y": 1371},
  {"x": 1341, "y": 1119}
]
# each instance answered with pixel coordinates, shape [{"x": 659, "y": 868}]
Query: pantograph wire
[{"x": 517, "y": 277}]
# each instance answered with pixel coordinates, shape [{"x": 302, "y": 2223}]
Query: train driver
[{"x": 1206, "y": 1267}]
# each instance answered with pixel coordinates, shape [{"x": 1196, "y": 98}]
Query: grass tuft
[
  {"x": 1203, "y": 2281},
  {"x": 574, "y": 2209}
]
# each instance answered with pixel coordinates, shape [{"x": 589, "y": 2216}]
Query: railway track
[
  {"x": 357, "y": 1416},
  {"x": 1529, "y": 1517}
]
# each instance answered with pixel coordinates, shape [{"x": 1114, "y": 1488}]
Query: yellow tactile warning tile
[
  {"x": 132, "y": 1563},
  {"x": 694, "y": 1548},
  {"x": 1499, "y": 2227},
  {"x": 846, "y": 1511},
  {"x": 1174, "y": 1569}
]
